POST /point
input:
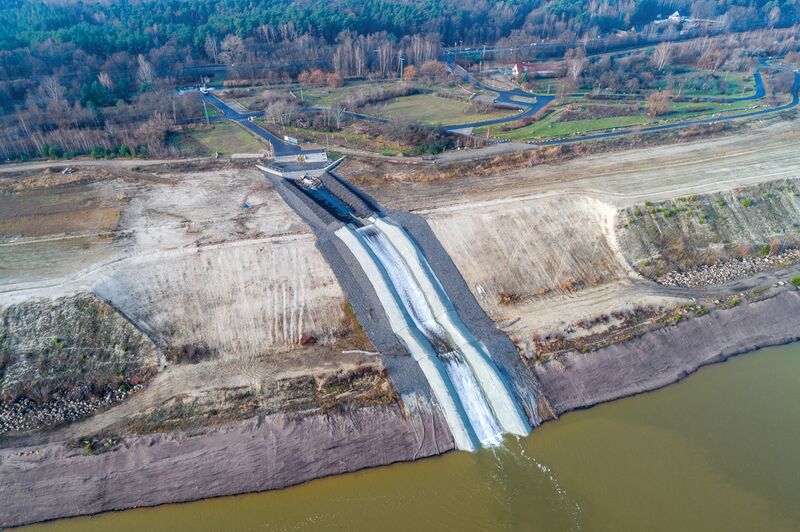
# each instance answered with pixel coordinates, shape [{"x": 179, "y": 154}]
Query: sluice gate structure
[{"x": 405, "y": 308}]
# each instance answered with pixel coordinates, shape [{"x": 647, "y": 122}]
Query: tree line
[{"x": 79, "y": 75}]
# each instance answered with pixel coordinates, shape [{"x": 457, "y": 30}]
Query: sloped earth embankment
[
  {"x": 707, "y": 235},
  {"x": 662, "y": 357},
  {"x": 60, "y": 361},
  {"x": 54, "y": 480}
]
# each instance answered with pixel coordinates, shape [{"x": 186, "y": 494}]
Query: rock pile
[
  {"x": 26, "y": 414},
  {"x": 729, "y": 270}
]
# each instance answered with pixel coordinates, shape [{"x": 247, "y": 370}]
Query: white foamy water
[
  {"x": 480, "y": 415},
  {"x": 407, "y": 289},
  {"x": 469, "y": 392}
]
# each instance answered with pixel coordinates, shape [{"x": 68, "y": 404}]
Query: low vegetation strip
[
  {"x": 697, "y": 231},
  {"x": 60, "y": 361}
]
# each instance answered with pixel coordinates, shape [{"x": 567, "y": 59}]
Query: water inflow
[
  {"x": 407, "y": 289},
  {"x": 469, "y": 392},
  {"x": 329, "y": 201}
]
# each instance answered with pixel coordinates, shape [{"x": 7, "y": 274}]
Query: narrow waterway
[
  {"x": 718, "y": 451},
  {"x": 469, "y": 392}
]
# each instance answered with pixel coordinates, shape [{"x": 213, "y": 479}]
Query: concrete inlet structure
[{"x": 406, "y": 310}]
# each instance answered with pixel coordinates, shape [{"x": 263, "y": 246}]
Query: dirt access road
[
  {"x": 621, "y": 178},
  {"x": 97, "y": 163}
]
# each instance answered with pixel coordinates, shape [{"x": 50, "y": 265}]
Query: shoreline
[
  {"x": 666, "y": 356},
  {"x": 278, "y": 451}
]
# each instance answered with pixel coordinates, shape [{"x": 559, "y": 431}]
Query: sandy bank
[
  {"x": 662, "y": 357},
  {"x": 54, "y": 481}
]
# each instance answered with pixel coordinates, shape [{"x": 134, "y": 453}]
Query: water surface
[{"x": 718, "y": 451}]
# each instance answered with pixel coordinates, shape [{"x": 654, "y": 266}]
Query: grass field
[
  {"x": 432, "y": 110},
  {"x": 553, "y": 127},
  {"x": 213, "y": 111},
  {"x": 226, "y": 138},
  {"x": 349, "y": 138},
  {"x": 705, "y": 83}
]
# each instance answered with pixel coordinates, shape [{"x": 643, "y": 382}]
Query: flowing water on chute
[{"x": 469, "y": 392}]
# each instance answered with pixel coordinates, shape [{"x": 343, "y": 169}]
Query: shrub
[
  {"x": 796, "y": 281},
  {"x": 747, "y": 202}
]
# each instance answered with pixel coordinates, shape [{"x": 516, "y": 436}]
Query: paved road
[
  {"x": 280, "y": 146},
  {"x": 515, "y": 98},
  {"x": 507, "y": 97},
  {"x": 793, "y": 103}
]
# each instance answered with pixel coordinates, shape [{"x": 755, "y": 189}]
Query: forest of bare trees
[{"x": 100, "y": 77}]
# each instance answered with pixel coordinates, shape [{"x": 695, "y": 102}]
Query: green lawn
[
  {"x": 707, "y": 83},
  {"x": 348, "y": 138},
  {"x": 552, "y": 127},
  {"x": 213, "y": 111},
  {"x": 226, "y": 138},
  {"x": 432, "y": 110}
]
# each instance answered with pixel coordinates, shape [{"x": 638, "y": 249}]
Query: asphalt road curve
[
  {"x": 507, "y": 97},
  {"x": 280, "y": 146}
]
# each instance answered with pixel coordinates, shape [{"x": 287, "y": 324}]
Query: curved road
[
  {"x": 507, "y": 97},
  {"x": 675, "y": 125},
  {"x": 516, "y": 98},
  {"x": 280, "y": 146}
]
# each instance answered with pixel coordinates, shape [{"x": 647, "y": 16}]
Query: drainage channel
[
  {"x": 476, "y": 402},
  {"x": 480, "y": 415}
]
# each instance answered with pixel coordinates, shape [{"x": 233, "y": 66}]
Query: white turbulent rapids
[
  {"x": 469, "y": 392},
  {"x": 480, "y": 415},
  {"x": 407, "y": 289}
]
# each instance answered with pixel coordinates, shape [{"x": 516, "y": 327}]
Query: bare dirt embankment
[
  {"x": 268, "y": 381},
  {"x": 665, "y": 356},
  {"x": 52, "y": 481},
  {"x": 540, "y": 247},
  {"x": 558, "y": 256}
]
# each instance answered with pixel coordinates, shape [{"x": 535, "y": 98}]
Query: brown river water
[{"x": 717, "y": 451}]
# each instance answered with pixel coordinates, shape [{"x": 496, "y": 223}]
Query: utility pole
[
  {"x": 400, "y": 55},
  {"x": 174, "y": 115}
]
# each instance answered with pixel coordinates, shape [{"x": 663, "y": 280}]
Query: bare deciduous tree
[
  {"x": 232, "y": 49},
  {"x": 576, "y": 62},
  {"x": 212, "y": 49},
  {"x": 144, "y": 74},
  {"x": 52, "y": 90},
  {"x": 659, "y": 103},
  {"x": 105, "y": 80},
  {"x": 662, "y": 55}
]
